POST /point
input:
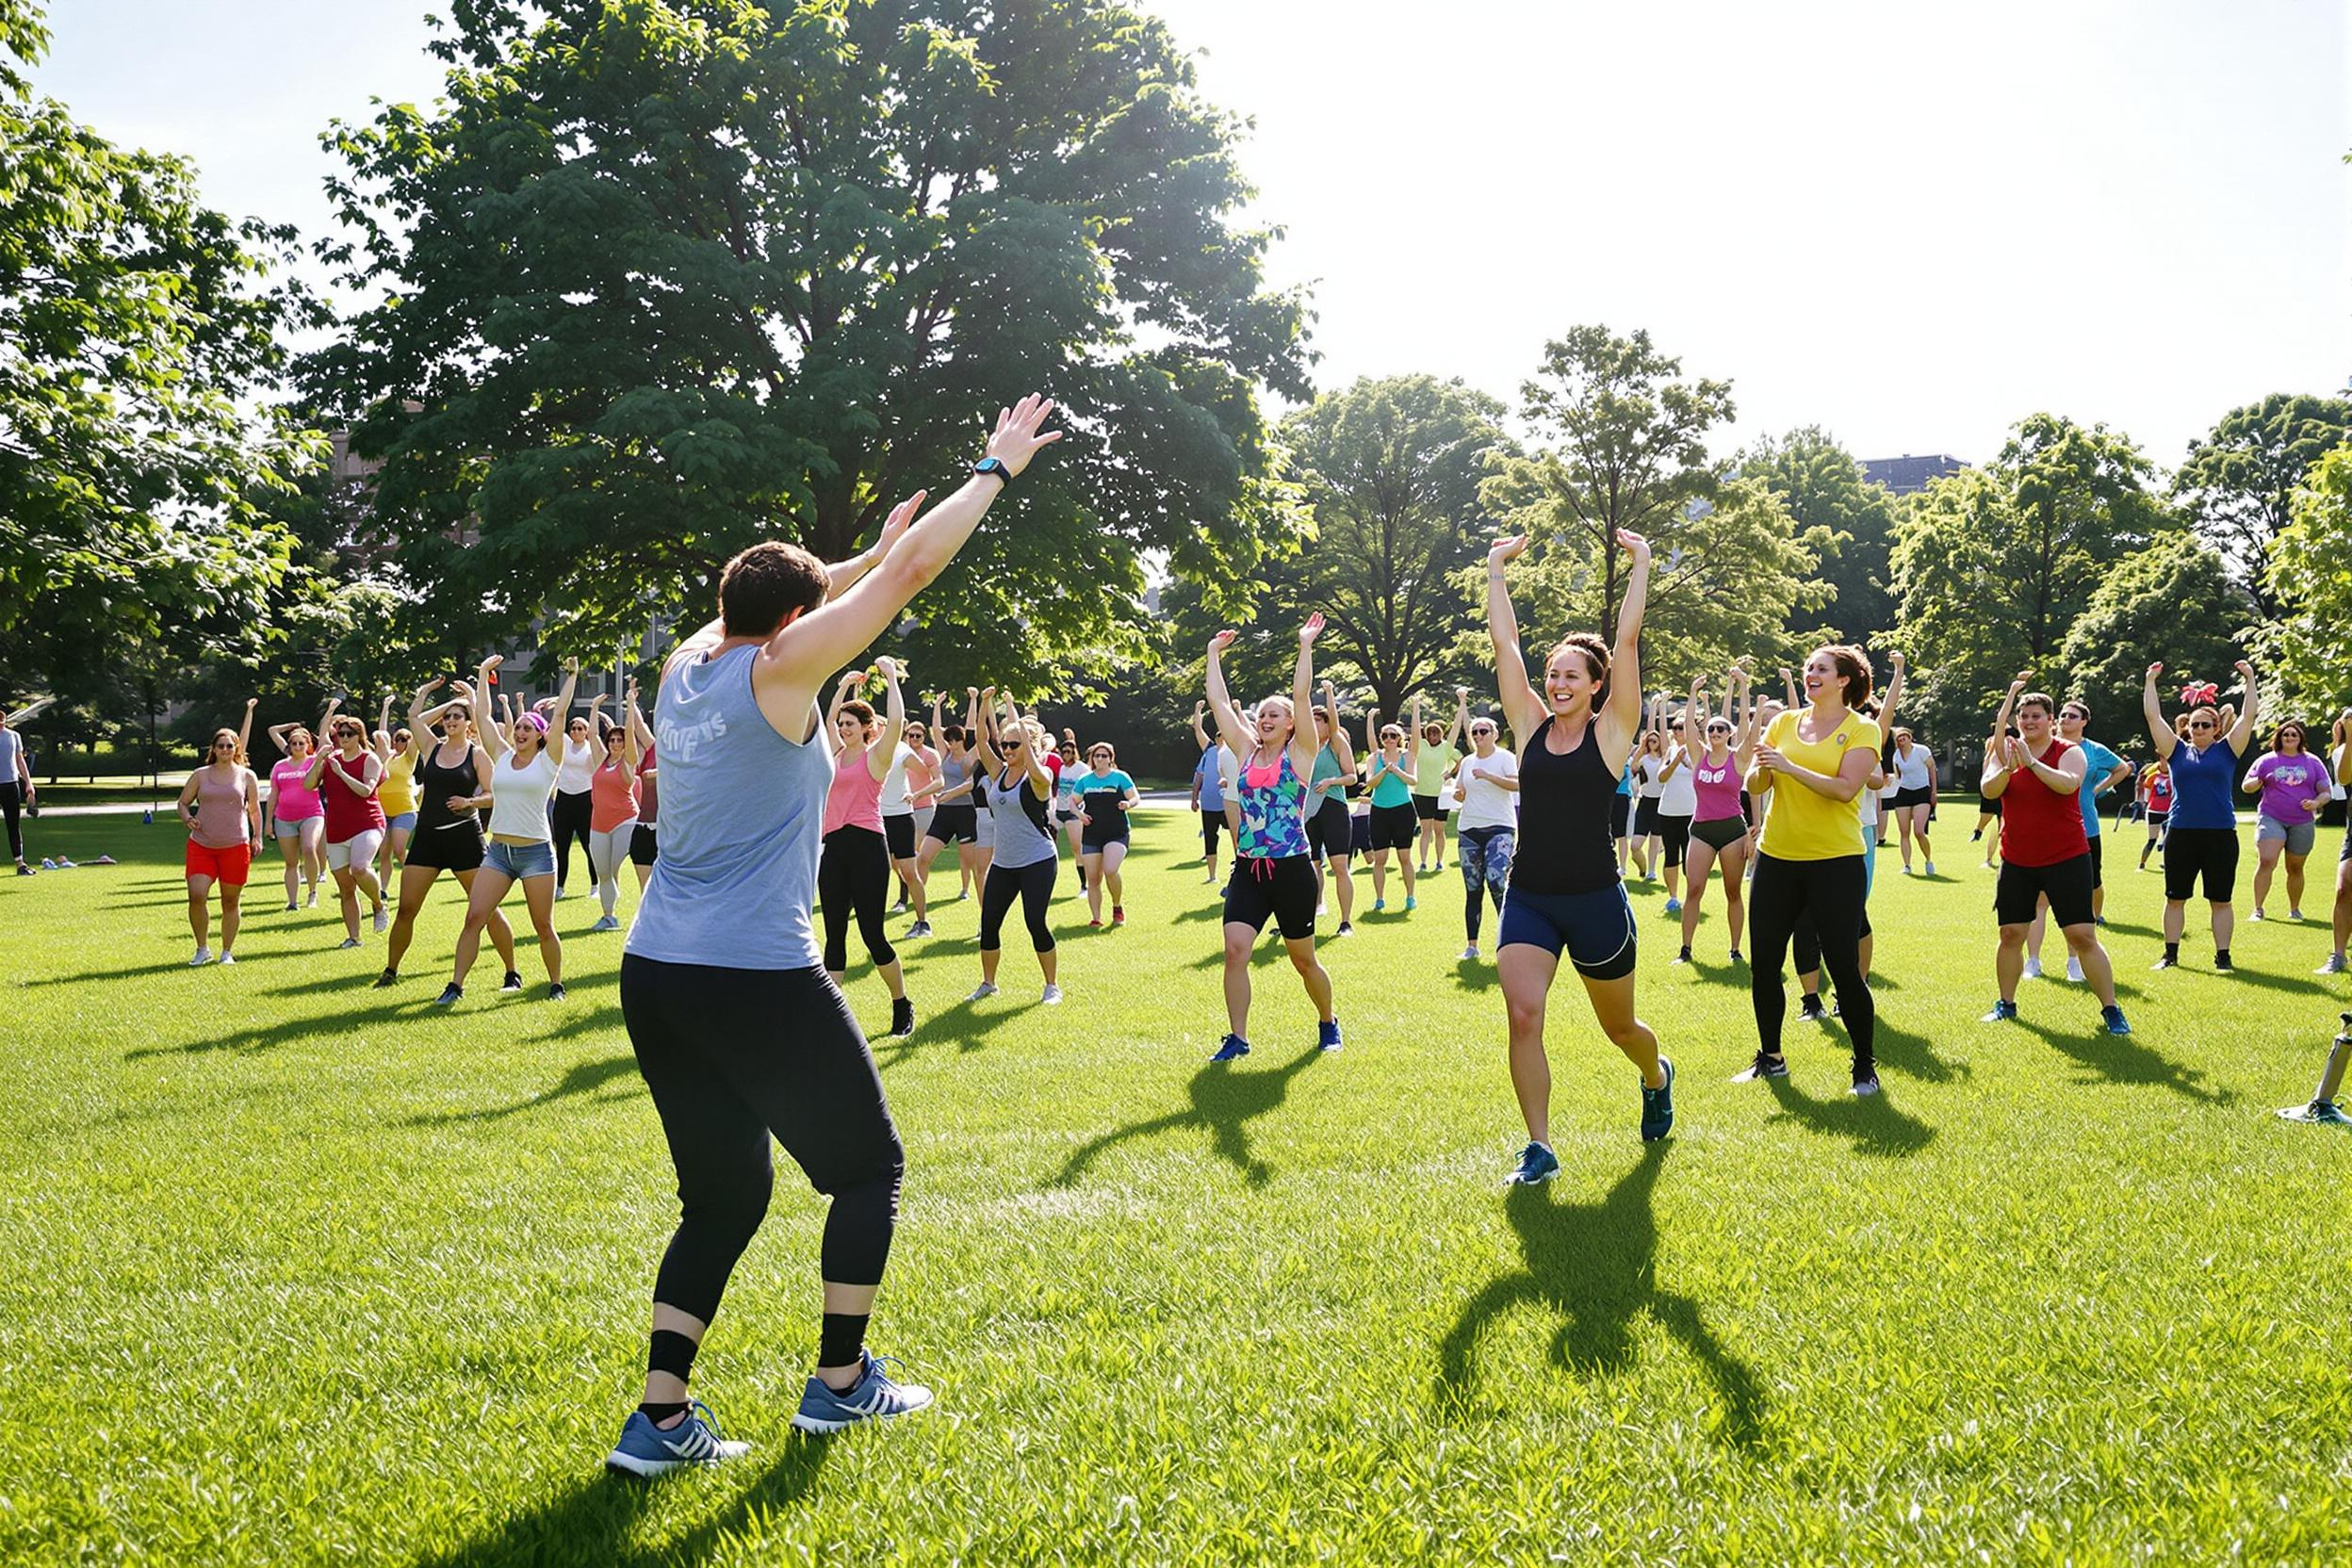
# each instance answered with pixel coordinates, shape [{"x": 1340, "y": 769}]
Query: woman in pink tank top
[
  {"x": 854, "y": 871},
  {"x": 1718, "y": 829},
  {"x": 221, "y": 804}
]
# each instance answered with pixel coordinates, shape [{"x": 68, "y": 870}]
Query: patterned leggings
[{"x": 1484, "y": 854}]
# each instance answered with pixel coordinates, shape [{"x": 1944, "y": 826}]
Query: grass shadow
[
  {"x": 1596, "y": 1265},
  {"x": 1913, "y": 1056},
  {"x": 135, "y": 970},
  {"x": 2295, "y": 984},
  {"x": 1872, "y": 1124},
  {"x": 584, "y": 1078},
  {"x": 1476, "y": 974},
  {"x": 1224, "y": 1101},
  {"x": 2122, "y": 1059},
  {"x": 599, "y": 1521},
  {"x": 340, "y": 1022}
]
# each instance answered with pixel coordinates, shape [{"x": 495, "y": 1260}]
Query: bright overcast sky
[{"x": 1912, "y": 224}]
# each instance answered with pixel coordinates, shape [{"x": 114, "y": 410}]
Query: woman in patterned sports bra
[{"x": 1273, "y": 873}]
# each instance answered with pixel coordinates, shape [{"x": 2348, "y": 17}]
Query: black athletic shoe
[
  {"x": 555, "y": 990},
  {"x": 1865, "y": 1081},
  {"x": 1765, "y": 1066},
  {"x": 2221, "y": 960},
  {"x": 1810, "y": 1007},
  {"x": 389, "y": 977},
  {"x": 902, "y": 1016},
  {"x": 1684, "y": 956},
  {"x": 514, "y": 982},
  {"x": 449, "y": 997}
]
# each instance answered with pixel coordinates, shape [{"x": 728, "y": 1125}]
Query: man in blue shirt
[
  {"x": 1208, "y": 790},
  {"x": 2104, "y": 771}
]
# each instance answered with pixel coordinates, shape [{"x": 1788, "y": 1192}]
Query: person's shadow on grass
[
  {"x": 582, "y": 1078},
  {"x": 2122, "y": 1059},
  {"x": 1873, "y": 1124},
  {"x": 597, "y": 1520},
  {"x": 1595, "y": 1264},
  {"x": 1223, "y": 1101}
]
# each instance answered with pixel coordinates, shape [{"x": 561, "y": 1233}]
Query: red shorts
[{"x": 227, "y": 866}]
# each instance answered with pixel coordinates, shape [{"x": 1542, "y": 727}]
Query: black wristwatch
[{"x": 994, "y": 465}]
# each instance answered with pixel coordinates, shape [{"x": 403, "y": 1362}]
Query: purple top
[{"x": 2293, "y": 787}]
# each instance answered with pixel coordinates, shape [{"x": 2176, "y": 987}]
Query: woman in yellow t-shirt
[{"x": 1814, "y": 763}]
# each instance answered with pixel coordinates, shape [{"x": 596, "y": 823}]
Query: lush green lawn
[{"x": 301, "y": 1270}]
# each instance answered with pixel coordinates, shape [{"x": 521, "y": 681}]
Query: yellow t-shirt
[
  {"x": 1804, "y": 824},
  {"x": 397, "y": 793}
]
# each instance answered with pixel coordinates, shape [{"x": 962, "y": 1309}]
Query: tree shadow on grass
[
  {"x": 338, "y": 1024},
  {"x": 135, "y": 970},
  {"x": 1872, "y": 1124},
  {"x": 582, "y": 1078},
  {"x": 2122, "y": 1059},
  {"x": 1595, "y": 1264},
  {"x": 1223, "y": 1100},
  {"x": 597, "y": 1521}
]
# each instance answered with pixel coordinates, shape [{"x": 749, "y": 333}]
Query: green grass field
[{"x": 304, "y": 1271}]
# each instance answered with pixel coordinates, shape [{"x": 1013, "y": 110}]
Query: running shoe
[
  {"x": 1234, "y": 1048},
  {"x": 346, "y": 943},
  {"x": 1765, "y": 1066},
  {"x": 1327, "y": 1035},
  {"x": 606, "y": 922},
  {"x": 874, "y": 1398},
  {"x": 291, "y": 907},
  {"x": 1096, "y": 923},
  {"x": 1119, "y": 916},
  {"x": 203, "y": 957},
  {"x": 382, "y": 919},
  {"x": 2334, "y": 965},
  {"x": 450, "y": 994},
  {"x": 227, "y": 957},
  {"x": 1658, "y": 1106},
  {"x": 555, "y": 990},
  {"x": 647, "y": 1450},
  {"x": 23, "y": 870},
  {"x": 312, "y": 902},
  {"x": 1050, "y": 996},
  {"x": 2074, "y": 969},
  {"x": 1537, "y": 1164},
  {"x": 2033, "y": 966},
  {"x": 2221, "y": 962},
  {"x": 2003, "y": 1012},
  {"x": 1683, "y": 957},
  {"x": 1810, "y": 1007},
  {"x": 1674, "y": 905},
  {"x": 1470, "y": 954},
  {"x": 980, "y": 992},
  {"x": 514, "y": 981},
  {"x": 1412, "y": 903},
  {"x": 1379, "y": 906},
  {"x": 1906, "y": 869},
  {"x": 921, "y": 928},
  {"x": 1865, "y": 1081},
  {"x": 2115, "y": 1021},
  {"x": 1929, "y": 869},
  {"x": 1345, "y": 929},
  {"x": 2258, "y": 911},
  {"x": 901, "y": 1016},
  {"x": 2294, "y": 914},
  {"x": 900, "y": 907},
  {"x": 2167, "y": 961},
  {"x": 1735, "y": 956},
  {"x": 386, "y": 980}
]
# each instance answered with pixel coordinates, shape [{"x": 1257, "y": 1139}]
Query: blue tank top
[
  {"x": 2201, "y": 782},
  {"x": 742, "y": 813}
]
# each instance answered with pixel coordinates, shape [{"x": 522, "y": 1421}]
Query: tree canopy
[
  {"x": 1843, "y": 520},
  {"x": 2173, "y": 602},
  {"x": 2238, "y": 487}
]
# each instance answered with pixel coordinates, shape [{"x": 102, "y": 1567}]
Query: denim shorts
[
  {"x": 519, "y": 862},
  {"x": 406, "y": 820}
]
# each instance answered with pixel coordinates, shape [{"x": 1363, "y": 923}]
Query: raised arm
[
  {"x": 1894, "y": 694},
  {"x": 1228, "y": 726},
  {"x": 879, "y": 755},
  {"x": 278, "y": 732},
  {"x": 380, "y": 739},
  {"x": 1371, "y": 729},
  {"x": 1302, "y": 743},
  {"x": 2242, "y": 737},
  {"x": 2004, "y": 757},
  {"x": 494, "y": 738},
  {"x": 982, "y": 736},
  {"x": 841, "y": 688},
  {"x": 633, "y": 728},
  {"x": 1521, "y": 706},
  {"x": 244, "y": 730},
  {"x": 2152, "y": 708},
  {"x": 1621, "y": 713},
  {"x": 422, "y": 718},
  {"x": 1199, "y": 731}
]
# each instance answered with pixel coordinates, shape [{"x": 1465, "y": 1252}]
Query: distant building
[{"x": 1908, "y": 475}]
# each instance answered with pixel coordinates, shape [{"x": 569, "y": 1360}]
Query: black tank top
[
  {"x": 1564, "y": 804},
  {"x": 435, "y": 784}
]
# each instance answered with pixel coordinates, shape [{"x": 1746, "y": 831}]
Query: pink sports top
[
  {"x": 219, "y": 809},
  {"x": 612, "y": 796},
  {"x": 290, "y": 799},
  {"x": 1718, "y": 788},
  {"x": 855, "y": 799}
]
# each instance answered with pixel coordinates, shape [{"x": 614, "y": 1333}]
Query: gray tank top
[
  {"x": 743, "y": 812},
  {"x": 953, "y": 773},
  {"x": 1021, "y": 838}
]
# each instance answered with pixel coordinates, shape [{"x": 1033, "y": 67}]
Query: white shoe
[
  {"x": 227, "y": 957},
  {"x": 383, "y": 920},
  {"x": 2294, "y": 914},
  {"x": 2074, "y": 969},
  {"x": 312, "y": 902},
  {"x": 2033, "y": 968},
  {"x": 980, "y": 992},
  {"x": 2258, "y": 911},
  {"x": 348, "y": 942},
  {"x": 1052, "y": 997},
  {"x": 203, "y": 957},
  {"x": 1929, "y": 869},
  {"x": 1470, "y": 954},
  {"x": 1907, "y": 871}
]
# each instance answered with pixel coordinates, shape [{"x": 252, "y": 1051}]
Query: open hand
[
  {"x": 887, "y": 667},
  {"x": 1508, "y": 548},
  {"x": 1021, "y": 431},
  {"x": 1309, "y": 632},
  {"x": 894, "y": 526}
]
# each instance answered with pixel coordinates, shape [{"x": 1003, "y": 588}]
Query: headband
[{"x": 2194, "y": 693}]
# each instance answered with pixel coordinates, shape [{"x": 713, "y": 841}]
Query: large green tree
[
  {"x": 662, "y": 278},
  {"x": 2238, "y": 487},
  {"x": 1846, "y": 521},
  {"x": 2311, "y": 571},
  {"x": 139, "y": 329},
  {"x": 2173, "y": 602}
]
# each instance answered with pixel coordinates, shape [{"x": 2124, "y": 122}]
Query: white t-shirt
[
  {"x": 518, "y": 797},
  {"x": 1681, "y": 795},
  {"x": 1228, "y": 772},
  {"x": 1915, "y": 772},
  {"x": 894, "y": 783},
  {"x": 579, "y": 771},
  {"x": 1485, "y": 804},
  {"x": 1653, "y": 776}
]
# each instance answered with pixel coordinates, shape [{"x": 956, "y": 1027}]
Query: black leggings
[
  {"x": 1034, "y": 886},
  {"x": 569, "y": 816},
  {"x": 854, "y": 874},
  {"x": 732, "y": 1056},
  {"x": 1831, "y": 891},
  {"x": 11, "y": 802}
]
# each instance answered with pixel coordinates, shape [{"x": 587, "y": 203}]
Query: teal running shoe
[
  {"x": 2117, "y": 1023},
  {"x": 1537, "y": 1164},
  {"x": 1658, "y": 1106},
  {"x": 2003, "y": 1012}
]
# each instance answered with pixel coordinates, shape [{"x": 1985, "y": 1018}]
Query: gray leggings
[{"x": 606, "y": 852}]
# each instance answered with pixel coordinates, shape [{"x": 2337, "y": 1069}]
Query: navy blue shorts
[{"x": 1595, "y": 928}]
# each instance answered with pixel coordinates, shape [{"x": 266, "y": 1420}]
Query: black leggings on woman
[
  {"x": 11, "y": 802},
  {"x": 731, "y": 1057},
  {"x": 1034, "y": 886},
  {"x": 1831, "y": 891},
  {"x": 569, "y": 816},
  {"x": 854, "y": 874}
]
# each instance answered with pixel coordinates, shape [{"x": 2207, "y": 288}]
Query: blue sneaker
[
  {"x": 874, "y": 1398},
  {"x": 1658, "y": 1106},
  {"x": 2117, "y": 1023},
  {"x": 1537, "y": 1164},
  {"x": 1378, "y": 905},
  {"x": 1674, "y": 905},
  {"x": 1233, "y": 1050},
  {"x": 1326, "y": 1035},
  {"x": 646, "y": 1449},
  {"x": 2002, "y": 1012},
  {"x": 1412, "y": 903}
]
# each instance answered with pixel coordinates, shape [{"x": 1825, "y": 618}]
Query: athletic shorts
[
  {"x": 229, "y": 866},
  {"x": 1923, "y": 795},
  {"x": 1673, "y": 832},
  {"x": 291, "y": 827},
  {"x": 454, "y": 848},
  {"x": 1990, "y": 807},
  {"x": 984, "y": 829},
  {"x": 406, "y": 822},
  {"x": 1103, "y": 831},
  {"x": 1427, "y": 808},
  {"x": 1360, "y": 832},
  {"x": 356, "y": 853},
  {"x": 2297, "y": 836},
  {"x": 1619, "y": 815},
  {"x": 899, "y": 830},
  {"x": 1285, "y": 890},
  {"x": 2158, "y": 819},
  {"x": 2207, "y": 853},
  {"x": 1720, "y": 832},
  {"x": 1212, "y": 829},
  {"x": 645, "y": 845},
  {"x": 520, "y": 861},
  {"x": 1646, "y": 817},
  {"x": 1330, "y": 833},
  {"x": 2099, "y": 862},
  {"x": 954, "y": 821},
  {"x": 2020, "y": 892},
  {"x": 1595, "y": 929},
  {"x": 1395, "y": 826}
]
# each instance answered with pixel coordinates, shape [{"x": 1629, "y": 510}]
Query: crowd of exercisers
[{"x": 763, "y": 791}]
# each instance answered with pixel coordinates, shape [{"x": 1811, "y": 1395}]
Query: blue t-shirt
[
  {"x": 1204, "y": 773},
  {"x": 1624, "y": 780},
  {"x": 2101, "y": 763},
  {"x": 2201, "y": 786}
]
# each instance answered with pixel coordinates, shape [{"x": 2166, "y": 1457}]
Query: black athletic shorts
[
  {"x": 643, "y": 847},
  {"x": 1359, "y": 831},
  {"x": 1720, "y": 832},
  {"x": 1395, "y": 826},
  {"x": 1923, "y": 795},
  {"x": 1988, "y": 807},
  {"x": 1675, "y": 834},
  {"x": 1283, "y": 890},
  {"x": 1619, "y": 815},
  {"x": 1645, "y": 816},
  {"x": 2209, "y": 853},
  {"x": 1212, "y": 827},
  {"x": 2099, "y": 866},
  {"x": 2020, "y": 889},
  {"x": 899, "y": 830},
  {"x": 456, "y": 848},
  {"x": 1428, "y": 809},
  {"x": 1098, "y": 833},
  {"x": 954, "y": 821},
  {"x": 1594, "y": 928},
  {"x": 1329, "y": 834}
]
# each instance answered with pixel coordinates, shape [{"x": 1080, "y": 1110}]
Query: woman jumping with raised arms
[{"x": 1565, "y": 894}]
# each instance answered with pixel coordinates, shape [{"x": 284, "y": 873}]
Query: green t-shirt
[{"x": 1429, "y": 766}]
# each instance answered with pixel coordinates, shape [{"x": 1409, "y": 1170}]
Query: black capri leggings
[
  {"x": 1034, "y": 886},
  {"x": 569, "y": 815},
  {"x": 853, "y": 875},
  {"x": 11, "y": 802},
  {"x": 1831, "y": 891},
  {"x": 731, "y": 1057}
]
